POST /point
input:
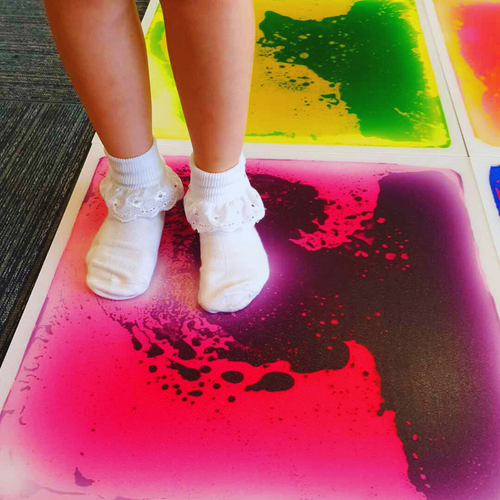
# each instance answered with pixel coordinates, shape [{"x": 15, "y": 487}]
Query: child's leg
[
  {"x": 211, "y": 46},
  {"x": 102, "y": 47}
]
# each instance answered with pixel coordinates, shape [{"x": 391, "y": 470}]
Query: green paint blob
[
  {"x": 373, "y": 53},
  {"x": 154, "y": 36}
]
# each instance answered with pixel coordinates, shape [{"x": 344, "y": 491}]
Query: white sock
[
  {"x": 224, "y": 209},
  {"x": 123, "y": 254}
]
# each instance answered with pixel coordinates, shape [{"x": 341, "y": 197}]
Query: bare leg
[
  {"x": 103, "y": 51},
  {"x": 211, "y": 47}
]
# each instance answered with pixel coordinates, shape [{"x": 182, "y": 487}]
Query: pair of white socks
[{"x": 222, "y": 207}]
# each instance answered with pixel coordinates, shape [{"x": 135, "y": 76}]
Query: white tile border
[
  {"x": 457, "y": 147},
  {"x": 486, "y": 250},
  {"x": 148, "y": 15}
]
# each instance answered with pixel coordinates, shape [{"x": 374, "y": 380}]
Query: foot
[
  {"x": 224, "y": 208},
  {"x": 234, "y": 268},
  {"x": 123, "y": 254}
]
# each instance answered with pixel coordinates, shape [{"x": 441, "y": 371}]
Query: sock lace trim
[
  {"x": 127, "y": 203},
  {"x": 226, "y": 215}
]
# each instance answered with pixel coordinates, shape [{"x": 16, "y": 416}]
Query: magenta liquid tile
[{"x": 365, "y": 369}]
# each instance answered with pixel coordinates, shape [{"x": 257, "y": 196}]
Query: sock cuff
[
  {"x": 211, "y": 186},
  {"x": 139, "y": 171}
]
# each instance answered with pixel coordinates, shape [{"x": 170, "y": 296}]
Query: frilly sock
[
  {"x": 224, "y": 208},
  {"x": 124, "y": 252}
]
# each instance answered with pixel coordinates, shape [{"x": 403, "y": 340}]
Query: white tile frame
[{"x": 486, "y": 250}]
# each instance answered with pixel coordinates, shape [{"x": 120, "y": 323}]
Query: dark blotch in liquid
[
  {"x": 233, "y": 377},
  {"x": 186, "y": 373},
  {"x": 273, "y": 382}
]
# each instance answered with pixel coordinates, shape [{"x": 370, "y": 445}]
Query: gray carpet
[{"x": 45, "y": 136}]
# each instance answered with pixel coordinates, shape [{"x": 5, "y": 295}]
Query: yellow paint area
[{"x": 279, "y": 113}]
